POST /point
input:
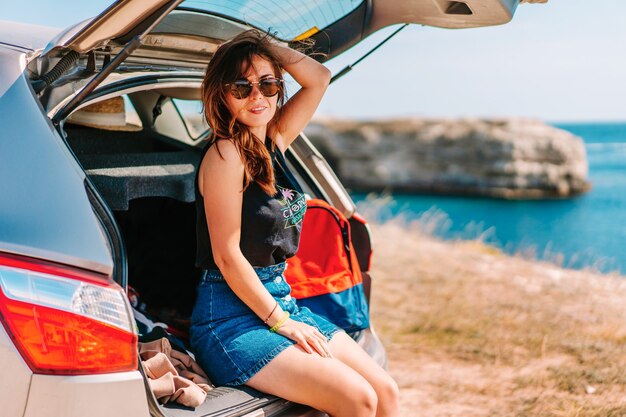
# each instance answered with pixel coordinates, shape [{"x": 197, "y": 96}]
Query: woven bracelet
[{"x": 282, "y": 321}]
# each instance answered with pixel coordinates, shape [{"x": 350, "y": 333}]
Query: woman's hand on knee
[{"x": 307, "y": 337}]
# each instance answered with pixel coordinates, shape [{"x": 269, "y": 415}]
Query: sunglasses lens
[
  {"x": 269, "y": 88},
  {"x": 240, "y": 89}
]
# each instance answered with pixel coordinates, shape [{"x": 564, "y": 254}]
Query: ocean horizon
[{"x": 586, "y": 231}]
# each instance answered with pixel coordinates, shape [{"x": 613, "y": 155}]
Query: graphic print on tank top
[{"x": 293, "y": 207}]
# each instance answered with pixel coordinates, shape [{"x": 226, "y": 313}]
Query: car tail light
[{"x": 65, "y": 321}]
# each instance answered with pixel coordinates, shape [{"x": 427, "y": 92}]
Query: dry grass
[{"x": 471, "y": 331}]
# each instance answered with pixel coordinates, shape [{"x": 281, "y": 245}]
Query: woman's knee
[
  {"x": 388, "y": 393},
  {"x": 360, "y": 399},
  {"x": 368, "y": 399}
]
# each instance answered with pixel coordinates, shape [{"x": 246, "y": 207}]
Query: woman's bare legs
[
  {"x": 325, "y": 384},
  {"x": 349, "y": 352},
  {"x": 351, "y": 384}
]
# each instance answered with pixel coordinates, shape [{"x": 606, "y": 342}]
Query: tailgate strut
[
  {"x": 128, "y": 49},
  {"x": 348, "y": 68}
]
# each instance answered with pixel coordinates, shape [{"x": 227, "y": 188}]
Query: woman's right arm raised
[{"x": 220, "y": 182}]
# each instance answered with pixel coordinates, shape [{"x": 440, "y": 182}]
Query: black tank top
[{"x": 270, "y": 226}]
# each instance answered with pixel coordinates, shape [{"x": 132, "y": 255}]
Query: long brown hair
[{"x": 230, "y": 62}]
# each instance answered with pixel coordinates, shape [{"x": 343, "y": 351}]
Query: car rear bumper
[
  {"x": 118, "y": 394},
  {"x": 15, "y": 378},
  {"x": 24, "y": 394}
]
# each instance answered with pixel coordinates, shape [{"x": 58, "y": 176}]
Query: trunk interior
[{"x": 148, "y": 182}]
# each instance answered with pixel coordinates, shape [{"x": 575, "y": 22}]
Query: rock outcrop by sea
[{"x": 505, "y": 158}]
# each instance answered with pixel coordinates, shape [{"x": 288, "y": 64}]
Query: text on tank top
[{"x": 270, "y": 225}]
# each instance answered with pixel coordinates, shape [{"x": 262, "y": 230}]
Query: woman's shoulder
[
  {"x": 224, "y": 149},
  {"x": 220, "y": 164},
  {"x": 221, "y": 153}
]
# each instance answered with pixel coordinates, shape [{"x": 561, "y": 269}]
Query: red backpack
[{"x": 324, "y": 274}]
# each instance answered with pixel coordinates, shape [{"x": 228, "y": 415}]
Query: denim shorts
[{"x": 229, "y": 341}]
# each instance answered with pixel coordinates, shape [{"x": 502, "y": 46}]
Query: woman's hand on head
[
  {"x": 314, "y": 78},
  {"x": 307, "y": 337}
]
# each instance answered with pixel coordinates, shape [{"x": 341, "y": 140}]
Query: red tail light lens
[{"x": 65, "y": 323}]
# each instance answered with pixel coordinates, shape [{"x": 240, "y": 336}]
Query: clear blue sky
[{"x": 560, "y": 61}]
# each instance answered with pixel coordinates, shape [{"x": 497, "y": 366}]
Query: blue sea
[{"x": 588, "y": 231}]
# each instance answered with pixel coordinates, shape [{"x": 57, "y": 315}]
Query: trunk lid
[
  {"x": 334, "y": 24},
  {"x": 118, "y": 23}
]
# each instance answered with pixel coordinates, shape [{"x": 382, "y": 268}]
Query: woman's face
[{"x": 256, "y": 110}]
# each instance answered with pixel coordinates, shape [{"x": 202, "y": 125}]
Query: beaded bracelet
[
  {"x": 282, "y": 321},
  {"x": 270, "y": 315}
]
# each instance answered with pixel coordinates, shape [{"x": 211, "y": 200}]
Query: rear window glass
[
  {"x": 116, "y": 113},
  {"x": 191, "y": 113},
  {"x": 288, "y": 19}
]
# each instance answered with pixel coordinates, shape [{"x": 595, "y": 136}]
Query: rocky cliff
[{"x": 509, "y": 158}]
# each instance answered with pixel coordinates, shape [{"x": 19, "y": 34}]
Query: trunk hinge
[
  {"x": 97, "y": 79},
  {"x": 129, "y": 48},
  {"x": 107, "y": 56},
  {"x": 91, "y": 62}
]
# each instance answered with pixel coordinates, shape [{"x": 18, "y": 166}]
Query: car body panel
[
  {"x": 48, "y": 214},
  {"x": 16, "y": 378},
  {"x": 117, "y": 20},
  {"x": 26, "y": 36},
  {"x": 118, "y": 394}
]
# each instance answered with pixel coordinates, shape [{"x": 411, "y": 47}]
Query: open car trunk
[{"x": 148, "y": 183}]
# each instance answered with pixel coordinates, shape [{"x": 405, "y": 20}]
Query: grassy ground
[{"x": 471, "y": 331}]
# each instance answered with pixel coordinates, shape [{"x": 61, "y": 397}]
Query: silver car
[{"x": 90, "y": 216}]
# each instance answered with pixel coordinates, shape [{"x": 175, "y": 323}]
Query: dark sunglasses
[{"x": 241, "y": 89}]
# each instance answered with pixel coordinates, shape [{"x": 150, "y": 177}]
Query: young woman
[{"x": 246, "y": 328}]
